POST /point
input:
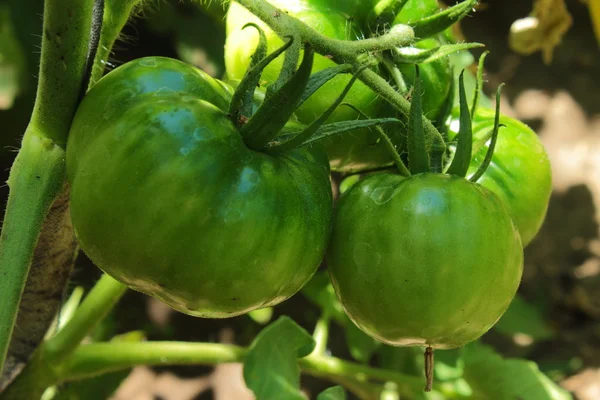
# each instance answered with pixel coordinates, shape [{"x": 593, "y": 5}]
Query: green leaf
[
  {"x": 521, "y": 317},
  {"x": 493, "y": 377},
  {"x": 271, "y": 369},
  {"x": 333, "y": 393}
]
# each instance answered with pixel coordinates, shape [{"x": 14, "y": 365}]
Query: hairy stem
[
  {"x": 99, "y": 358},
  {"x": 38, "y": 172},
  {"x": 115, "y": 16}
]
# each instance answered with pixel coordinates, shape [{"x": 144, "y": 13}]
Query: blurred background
[{"x": 552, "y": 84}]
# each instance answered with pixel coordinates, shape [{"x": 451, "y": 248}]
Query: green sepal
[
  {"x": 414, "y": 55},
  {"x": 384, "y": 12},
  {"x": 478, "y": 82},
  {"x": 277, "y": 109},
  {"x": 439, "y": 22},
  {"x": 336, "y": 128},
  {"x": 418, "y": 159},
  {"x": 446, "y": 111},
  {"x": 490, "y": 153},
  {"x": 388, "y": 142},
  {"x": 304, "y": 135},
  {"x": 242, "y": 99},
  {"x": 464, "y": 147},
  {"x": 320, "y": 78},
  {"x": 288, "y": 69}
]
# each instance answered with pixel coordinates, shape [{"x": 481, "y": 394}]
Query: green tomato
[
  {"x": 430, "y": 260},
  {"x": 167, "y": 198},
  {"x": 351, "y": 152},
  {"x": 520, "y": 172}
]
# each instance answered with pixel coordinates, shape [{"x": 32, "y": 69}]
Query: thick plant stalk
[
  {"x": 52, "y": 264},
  {"x": 38, "y": 172}
]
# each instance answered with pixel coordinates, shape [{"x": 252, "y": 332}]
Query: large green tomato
[
  {"x": 167, "y": 198},
  {"x": 354, "y": 151},
  {"x": 430, "y": 260},
  {"x": 520, "y": 172}
]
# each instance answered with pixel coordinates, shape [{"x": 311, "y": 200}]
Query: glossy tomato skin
[
  {"x": 520, "y": 172},
  {"x": 430, "y": 260},
  {"x": 350, "y": 152},
  {"x": 166, "y": 197}
]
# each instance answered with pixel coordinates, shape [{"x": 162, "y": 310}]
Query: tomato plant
[
  {"x": 217, "y": 200},
  {"x": 155, "y": 165},
  {"x": 519, "y": 173}
]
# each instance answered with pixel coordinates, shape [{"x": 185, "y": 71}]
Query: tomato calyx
[
  {"x": 420, "y": 160},
  {"x": 265, "y": 130}
]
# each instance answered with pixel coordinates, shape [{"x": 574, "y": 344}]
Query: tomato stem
[
  {"x": 116, "y": 15},
  {"x": 429, "y": 368},
  {"x": 97, "y": 304},
  {"x": 38, "y": 172},
  {"x": 321, "y": 334}
]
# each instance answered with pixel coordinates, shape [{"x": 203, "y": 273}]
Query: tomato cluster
[{"x": 169, "y": 196}]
